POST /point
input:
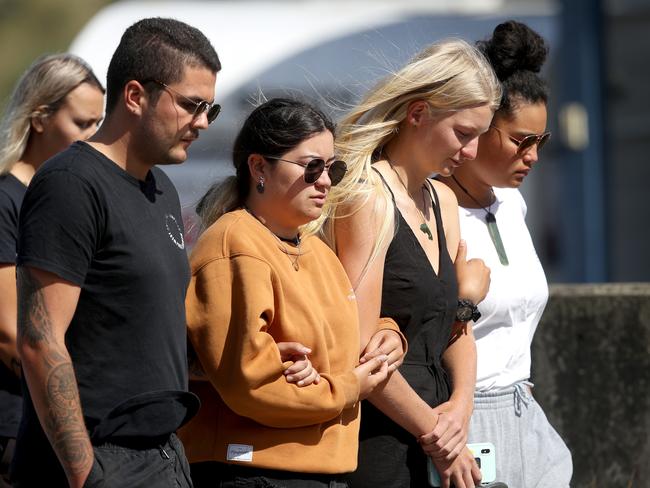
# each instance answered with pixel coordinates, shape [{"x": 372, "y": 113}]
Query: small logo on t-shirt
[
  {"x": 174, "y": 231},
  {"x": 240, "y": 452}
]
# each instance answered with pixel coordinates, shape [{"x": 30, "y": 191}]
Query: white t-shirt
[{"x": 518, "y": 292}]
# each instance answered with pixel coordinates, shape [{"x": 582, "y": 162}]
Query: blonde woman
[
  {"x": 57, "y": 101},
  {"x": 396, "y": 233}
]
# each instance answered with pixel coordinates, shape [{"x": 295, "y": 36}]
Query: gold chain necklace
[
  {"x": 292, "y": 257},
  {"x": 424, "y": 227}
]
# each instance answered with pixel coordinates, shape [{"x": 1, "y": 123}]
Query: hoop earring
[{"x": 260, "y": 185}]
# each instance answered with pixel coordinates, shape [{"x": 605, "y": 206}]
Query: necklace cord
[
  {"x": 424, "y": 226},
  {"x": 493, "y": 199},
  {"x": 491, "y": 222},
  {"x": 296, "y": 241}
]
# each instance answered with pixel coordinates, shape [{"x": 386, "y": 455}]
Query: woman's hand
[
  {"x": 473, "y": 276},
  {"x": 462, "y": 472},
  {"x": 370, "y": 374},
  {"x": 449, "y": 437},
  {"x": 301, "y": 372},
  {"x": 387, "y": 342}
]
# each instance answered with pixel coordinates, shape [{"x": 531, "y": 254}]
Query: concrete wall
[{"x": 591, "y": 369}]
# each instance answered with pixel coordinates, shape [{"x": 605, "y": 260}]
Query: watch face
[{"x": 463, "y": 314}]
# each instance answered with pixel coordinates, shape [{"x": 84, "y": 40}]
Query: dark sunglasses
[
  {"x": 313, "y": 169},
  {"x": 527, "y": 142},
  {"x": 212, "y": 109}
]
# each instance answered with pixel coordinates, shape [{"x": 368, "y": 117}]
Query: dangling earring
[{"x": 260, "y": 185}]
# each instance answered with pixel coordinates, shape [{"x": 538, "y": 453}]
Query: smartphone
[{"x": 485, "y": 457}]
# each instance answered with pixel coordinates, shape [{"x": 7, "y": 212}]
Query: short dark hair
[
  {"x": 517, "y": 53},
  {"x": 157, "y": 49}
]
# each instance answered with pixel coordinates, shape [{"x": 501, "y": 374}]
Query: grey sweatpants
[{"x": 529, "y": 452}]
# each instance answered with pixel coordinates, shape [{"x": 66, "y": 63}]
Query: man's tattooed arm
[{"x": 44, "y": 314}]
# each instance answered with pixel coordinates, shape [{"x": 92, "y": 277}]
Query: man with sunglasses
[{"x": 102, "y": 276}]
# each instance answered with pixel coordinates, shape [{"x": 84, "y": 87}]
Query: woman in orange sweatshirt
[{"x": 256, "y": 282}]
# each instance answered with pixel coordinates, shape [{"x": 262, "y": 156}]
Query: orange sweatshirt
[{"x": 244, "y": 297}]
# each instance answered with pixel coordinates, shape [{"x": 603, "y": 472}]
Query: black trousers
[
  {"x": 164, "y": 466},
  {"x": 7, "y": 445},
  {"x": 221, "y": 475}
]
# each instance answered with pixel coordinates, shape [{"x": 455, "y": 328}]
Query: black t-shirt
[
  {"x": 12, "y": 192},
  {"x": 121, "y": 240}
]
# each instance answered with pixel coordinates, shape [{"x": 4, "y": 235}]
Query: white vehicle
[{"x": 327, "y": 51}]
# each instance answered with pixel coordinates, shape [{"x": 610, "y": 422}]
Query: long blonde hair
[
  {"x": 39, "y": 92},
  {"x": 449, "y": 75}
]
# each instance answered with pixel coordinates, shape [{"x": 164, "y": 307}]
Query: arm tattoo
[
  {"x": 34, "y": 323},
  {"x": 64, "y": 421},
  {"x": 54, "y": 382}
]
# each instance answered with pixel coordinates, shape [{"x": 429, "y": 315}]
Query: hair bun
[{"x": 514, "y": 47}]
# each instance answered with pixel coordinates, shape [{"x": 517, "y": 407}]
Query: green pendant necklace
[
  {"x": 491, "y": 222},
  {"x": 424, "y": 227}
]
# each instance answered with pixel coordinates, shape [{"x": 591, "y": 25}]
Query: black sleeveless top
[{"x": 423, "y": 304}]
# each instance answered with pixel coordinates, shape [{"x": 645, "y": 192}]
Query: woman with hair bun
[
  {"x": 57, "y": 101},
  {"x": 529, "y": 452}
]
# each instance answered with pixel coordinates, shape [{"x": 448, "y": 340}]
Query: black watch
[{"x": 467, "y": 311}]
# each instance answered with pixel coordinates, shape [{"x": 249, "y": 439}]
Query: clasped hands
[
  {"x": 383, "y": 355},
  {"x": 446, "y": 445}
]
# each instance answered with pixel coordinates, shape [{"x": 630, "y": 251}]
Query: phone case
[
  {"x": 485, "y": 456},
  {"x": 432, "y": 474}
]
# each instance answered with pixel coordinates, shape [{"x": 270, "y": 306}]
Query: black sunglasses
[
  {"x": 212, "y": 109},
  {"x": 313, "y": 169},
  {"x": 527, "y": 142}
]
